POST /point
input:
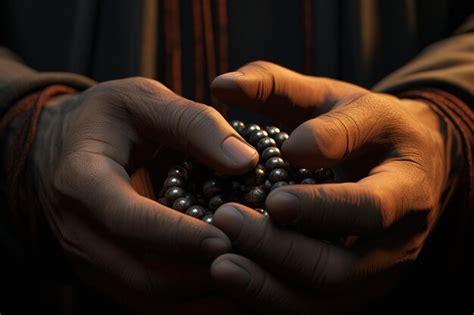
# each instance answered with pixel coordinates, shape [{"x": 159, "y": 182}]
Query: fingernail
[
  {"x": 230, "y": 275},
  {"x": 214, "y": 246},
  {"x": 283, "y": 207},
  {"x": 229, "y": 220},
  {"x": 238, "y": 151}
]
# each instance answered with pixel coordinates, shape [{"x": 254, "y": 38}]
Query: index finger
[
  {"x": 287, "y": 253},
  {"x": 103, "y": 187}
]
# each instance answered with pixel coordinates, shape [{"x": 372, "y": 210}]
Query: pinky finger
[{"x": 257, "y": 289}]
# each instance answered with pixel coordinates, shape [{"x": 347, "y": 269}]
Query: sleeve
[
  {"x": 18, "y": 80},
  {"x": 447, "y": 65}
]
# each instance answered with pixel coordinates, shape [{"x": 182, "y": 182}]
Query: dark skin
[
  {"x": 129, "y": 245},
  {"x": 392, "y": 153},
  {"x": 88, "y": 146}
]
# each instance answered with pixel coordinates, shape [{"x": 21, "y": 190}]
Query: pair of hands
[{"x": 390, "y": 151}]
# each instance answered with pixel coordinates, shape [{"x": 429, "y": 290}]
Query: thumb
[
  {"x": 270, "y": 88},
  {"x": 358, "y": 121},
  {"x": 162, "y": 117}
]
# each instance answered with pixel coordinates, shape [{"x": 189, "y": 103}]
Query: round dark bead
[
  {"x": 191, "y": 197},
  {"x": 303, "y": 173},
  {"x": 323, "y": 174},
  {"x": 278, "y": 174},
  {"x": 256, "y": 177},
  {"x": 182, "y": 203},
  {"x": 272, "y": 130},
  {"x": 267, "y": 185},
  {"x": 196, "y": 211},
  {"x": 274, "y": 162},
  {"x": 211, "y": 188},
  {"x": 162, "y": 192},
  {"x": 178, "y": 171},
  {"x": 279, "y": 184},
  {"x": 173, "y": 181},
  {"x": 255, "y": 196},
  {"x": 237, "y": 125},
  {"x": 265, "y": 143},
  {"x": 163, "y": 201},
  {"x": 262, "y": 211},
  {"x": 216, "y": 201},
  {"x": 257, "y": 135},
  {"x": 308, "y": 180},
  {"x": 269, "y": 153},
  {"x": 208, "y": 218},
  {"x": 259, "y": 176},
  {"x": 249, "y": 129},
  {"x": 280, "y": 138},
  {"x": 173, "y": 193}
]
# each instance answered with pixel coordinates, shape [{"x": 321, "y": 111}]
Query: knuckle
[
  {"x": 67, "y": 174},
  {"x": 262, "y": 64},
  {"x": 203, "y": 115},
  {"x": 263, "y": 237},
  {"x": 121, "y": 214},
  {"x": 331, "y": 267},
  {"x": 374, "y": 206},
  {"x": 312, "y": 198},
  {"x": 288, "y": 255},
  {"x": 197, "y": 117},
  {"x": 319, "y": 261},
  {"x": 185, "y": 236},
  {"x": 332, "y": 127},
  {"x": 383, "y": 208},
  {"x": 266, "y": 84},
  {"x": 127, "y": 92},
  {"x": 257, "y": 288}
]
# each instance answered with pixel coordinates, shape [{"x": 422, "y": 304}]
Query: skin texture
[
  {"x": 392, "y": 155},
  {"x": 87, "y": 147}
]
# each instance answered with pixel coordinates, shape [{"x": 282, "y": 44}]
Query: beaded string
[{"x": 198, "y": 191}]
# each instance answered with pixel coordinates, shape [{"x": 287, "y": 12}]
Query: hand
[
  {"x": 87, "y": 147},
  {"x": 392, "y": 154}
]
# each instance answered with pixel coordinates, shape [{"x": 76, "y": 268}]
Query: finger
[
  {"x": 365, "y": 120},
  {"x": 117, "y": 269},
  {"x": 255, "y": 287},
  {"x": 268, "y": 87},
  {"x": 103, "y": 188},
  {"x": 146, "y": 284},
  {"x": 367, "y": 207},
  {"x": 344, "y": 209},
  {"x": 286, "y": 253},
  {"x": 160, "y": 116}
]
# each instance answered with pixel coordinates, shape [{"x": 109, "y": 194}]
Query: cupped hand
[
  {"x": 392, "y": 155},
  {"x": 87, "y": 147}
]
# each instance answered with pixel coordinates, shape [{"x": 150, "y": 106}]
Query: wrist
[
  {"x": 19, "y": 127},
  {"x": 425, "y": 116},
  {"x": 46, "y": 150},
  {"x": 423, "y": 113},
  {"x": 447, "y": 140}
]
